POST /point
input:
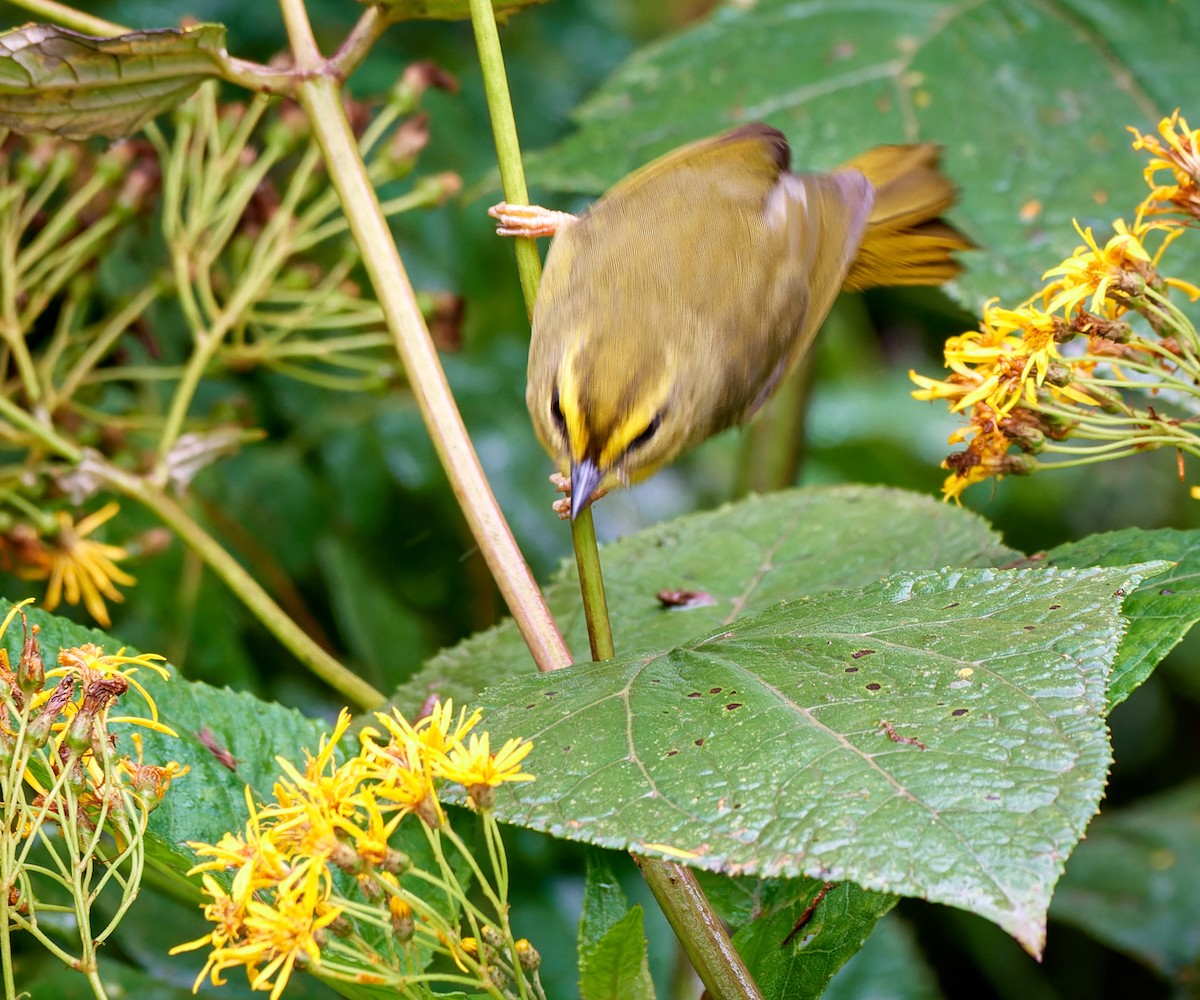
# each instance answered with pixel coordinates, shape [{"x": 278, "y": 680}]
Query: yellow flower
[
  {"x": 281, "y": 932},
  {"x": 986, "y": 454},
  {"x": 1092, "y": 272},
  {"x": 228, "y": 915},
  {"x": 89, "y": 663},
  {"x": 79, "y": 567},
  {"x": 477, "y": 769},
  {"x": 1181, "y": 156}
]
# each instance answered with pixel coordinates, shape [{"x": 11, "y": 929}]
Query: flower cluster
[
  {"x": 317, "y": 884},
  {"x": 1100, "y": 363},
  {"x": 64, "y": 786}
]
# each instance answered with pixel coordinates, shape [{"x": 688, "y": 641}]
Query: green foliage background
[{"x": 347, "y": 501}]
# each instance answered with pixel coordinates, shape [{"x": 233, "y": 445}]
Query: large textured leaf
[
  {"x": 1161, "y": 611},
  {"x": 746, "y": 557},
  {"x": 1135, "y": 882},
  {"x": 55, "y": 80},
  {"x": 936, "y": 734},
  {"x": 1030, "y": 100}
]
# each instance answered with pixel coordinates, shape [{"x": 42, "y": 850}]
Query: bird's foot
[{"x": 528, "y": 220}]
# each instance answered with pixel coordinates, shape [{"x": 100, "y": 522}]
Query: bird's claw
[{"x": 528, "y": 220}]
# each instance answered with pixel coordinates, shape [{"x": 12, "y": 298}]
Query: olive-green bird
[{"x": 672, "y": 308}]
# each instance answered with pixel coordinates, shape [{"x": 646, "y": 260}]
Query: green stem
[
  {"x": 247, "y": 589},
  {"x": 321, "y": 98},
  {"x": 69, "y": 17},
  {"x": 675, "y": 887},
  {"x": 504, "y": 131},
  {"x": 359, "y": 42},
  {"x": 42, "y": 432},
  {"x": 698, "y": 927},
  {"x": 591, "y": 586}
]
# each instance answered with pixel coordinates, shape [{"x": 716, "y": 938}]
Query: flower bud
[
  {"x": 403, "y": 925},
  {"x": 31, "y": 668},
  {"x": 528, "y": 955}
]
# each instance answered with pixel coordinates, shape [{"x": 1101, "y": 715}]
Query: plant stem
[
  {"x": 504, "y": 132},
  {"x": 320, "y": 96},
  {"x": 591, "y": 586},
  {"x": 698, "y": 927},
  {"x": 249, "y": 592},
  {"x": 675, "y": 887},
  {"x": 76, "y": 20}
]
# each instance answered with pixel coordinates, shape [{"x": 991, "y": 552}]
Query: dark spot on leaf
[
  {"x": 1055, "y": 607},
  {"x": 567, "y": 748},
  {"x": 1030, "y": 628},
  {"x": 695, "y": 694},
  {"x": 861, "y": 653},
  {"x": 874, "y": 686},
  {"x": 852, "y": 670},
  {"x": 733, "y": 704},
  {"x": 992, "y": 797},
  {"x": 672, "y": 753},
  {"x": 1119, "y": 592},
  {"x": 737, "y": 805},
  {"x": 714, "y": 690},
  {"x": 551, "y": 694},
  {"x": 531, "y": 705},
  {"x": 1166, "y": 591},
  {"x": 700, "y": 742},
  {"x": 948, "y": 606},
  {"x": 685, "y": 599},
  {"x": 960, "y": 711}
]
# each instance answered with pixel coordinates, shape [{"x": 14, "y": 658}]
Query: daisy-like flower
[
  {"x": 480, "y": 771},
  {"x": 78, "y": 567},
  {"x": 1092, "y": 272},
  {"x": 1179, "y": 154}
]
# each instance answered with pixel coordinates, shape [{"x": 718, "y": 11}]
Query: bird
[{"x": 672, "y": 307}]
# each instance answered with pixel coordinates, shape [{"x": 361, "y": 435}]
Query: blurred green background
[{"x": 345, "y": 500}]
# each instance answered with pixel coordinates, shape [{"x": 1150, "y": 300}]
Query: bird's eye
[
  {"x": 647, "y": 434},
  {"x": 556, "y": 413}
]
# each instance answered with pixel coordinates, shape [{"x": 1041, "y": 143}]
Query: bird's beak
[{"x": 585, "y": 477}]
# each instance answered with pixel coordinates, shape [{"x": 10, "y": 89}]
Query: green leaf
[
  {"x": 805, "y": 932},
  {"x": 55, "y": 80},
  {"x": 446, "y": 10},
  {"x": 613, "y": 960},
  {"x": 604, "y": 903},
  {"x": 747, "y": 556},
  {"x": 617, "y": 968},
  {"x": 889, "y": 967},
  {"x": 936, "y": 734},
  {"x": 1029, "y": 99},
  {"x": 1135, "y": 882},
  {"x": 1160, "y": 612}
]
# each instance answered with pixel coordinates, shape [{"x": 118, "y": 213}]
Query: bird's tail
[{"x": 906, "y": 241}]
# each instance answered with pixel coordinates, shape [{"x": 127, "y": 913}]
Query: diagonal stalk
[{"x": 319, "y": 93}]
